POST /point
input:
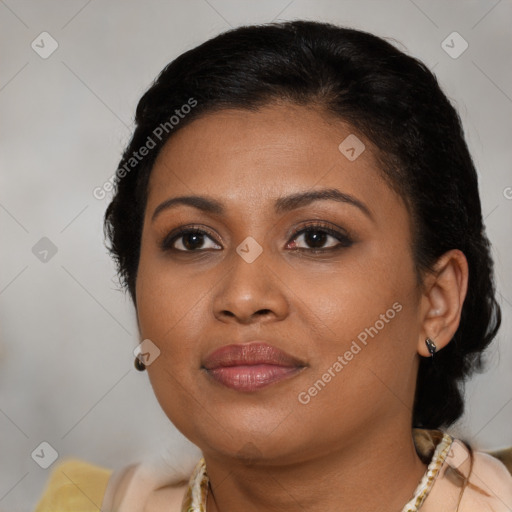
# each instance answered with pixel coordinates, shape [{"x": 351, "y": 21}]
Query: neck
[{"x": 384, "y": 461}]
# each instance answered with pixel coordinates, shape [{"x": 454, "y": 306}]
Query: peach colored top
[{"x": 456, "y": 480}]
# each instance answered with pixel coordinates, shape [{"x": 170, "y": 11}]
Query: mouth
[{"x": 251, "y": 366}]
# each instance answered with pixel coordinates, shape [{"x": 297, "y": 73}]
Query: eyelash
[{"x": 345, "y": 240}]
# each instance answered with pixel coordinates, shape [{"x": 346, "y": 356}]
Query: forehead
[{"x": 248, "y": 157}]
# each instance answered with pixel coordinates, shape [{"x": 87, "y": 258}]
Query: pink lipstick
[{"x": 251, "y": 366}]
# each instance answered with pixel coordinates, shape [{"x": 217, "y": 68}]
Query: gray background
[{"x": 66, "y": 332}]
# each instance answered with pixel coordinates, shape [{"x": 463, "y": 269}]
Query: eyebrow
[{"x": 282, "y": 205}]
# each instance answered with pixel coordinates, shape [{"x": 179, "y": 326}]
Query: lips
[
  {"x": 253, "y": 353},
  {"x": 251, "y": 366}
]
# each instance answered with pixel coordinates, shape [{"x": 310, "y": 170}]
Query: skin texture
[{"x": 350, "y": 447}]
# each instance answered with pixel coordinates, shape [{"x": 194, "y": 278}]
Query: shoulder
[
  {"x": 74, "y": 484},
  {"x": 138, "y": 488},
  {"x": 491, "y": 481},
  {"x": 472, "y": 481},
  {"x": 505, "y": 456},
  {"x": 168, "y": 498}
]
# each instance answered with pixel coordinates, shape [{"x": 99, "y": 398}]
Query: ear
[{"x": 442, "y": 299}]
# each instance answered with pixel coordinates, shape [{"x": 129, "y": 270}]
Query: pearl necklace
[{"x": 197, "y": 492}]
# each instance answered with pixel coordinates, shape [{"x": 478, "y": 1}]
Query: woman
[{"x": 297, "y": 221}]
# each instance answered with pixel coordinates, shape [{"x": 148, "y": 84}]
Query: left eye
[{"x": 316, "y": 237}]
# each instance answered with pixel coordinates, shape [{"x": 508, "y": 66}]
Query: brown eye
[
  {"x": 188, "y": 240},
  {"x": 315, "y": 236}
]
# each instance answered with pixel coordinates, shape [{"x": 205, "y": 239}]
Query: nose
[{"x": 250, "y": 293}]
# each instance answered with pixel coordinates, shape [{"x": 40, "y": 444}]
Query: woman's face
[{"x": 347, "y": 315}]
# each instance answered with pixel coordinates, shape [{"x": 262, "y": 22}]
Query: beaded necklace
[{"x": 197, "y": 492}]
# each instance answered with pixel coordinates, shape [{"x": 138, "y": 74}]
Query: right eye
[{"x": 189, "y": 240}]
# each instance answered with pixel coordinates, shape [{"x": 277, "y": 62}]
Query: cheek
[
  {"x": 167, "y": 299},
  {"x": 366, "y": 371},
  {"x": 341, "y": 301},
  {"x": 169, "y": 314},
  {"x": 366, "y": 314}
]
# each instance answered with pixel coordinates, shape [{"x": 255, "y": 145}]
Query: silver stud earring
[{"x": 431, "y": 346}]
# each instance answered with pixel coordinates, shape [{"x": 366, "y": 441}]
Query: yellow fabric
[{"x": 74, "y": 486}]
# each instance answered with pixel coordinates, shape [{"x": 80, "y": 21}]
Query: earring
[
  {"x": 139, "y": 365},
  {"x": 431, "y": 346}
]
